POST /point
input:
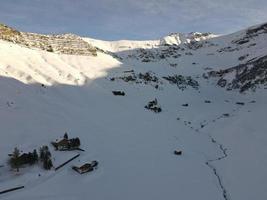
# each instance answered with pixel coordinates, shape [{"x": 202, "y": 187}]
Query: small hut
[{"x": 87, "y": 167}]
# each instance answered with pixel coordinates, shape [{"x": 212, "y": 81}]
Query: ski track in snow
[
  {"x": 225, "y": 194},
  {"x": 224, "y": 155}
]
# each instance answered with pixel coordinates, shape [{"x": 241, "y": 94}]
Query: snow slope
[
  {"x": 224, "y": 144},
  {"x": 35, "y": 66}
]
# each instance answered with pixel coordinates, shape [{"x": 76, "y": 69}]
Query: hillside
[
  {"x": 64, "y": 44},
  {"x": 211, "y": 91}
]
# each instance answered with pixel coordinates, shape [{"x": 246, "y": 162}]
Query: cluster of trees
[
  {"x": 45, "y": 157},
  {"x": 29, "y": 158},
  {"x": 17, "y": 160},
  {"x": 74, "y": 142}
]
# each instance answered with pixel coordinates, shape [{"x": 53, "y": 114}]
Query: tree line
[{"x": 17, "y": 160}]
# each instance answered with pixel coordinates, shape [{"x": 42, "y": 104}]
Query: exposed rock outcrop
[
  {"x": 248, "y": 76},
  {"x": 63, "y": 44},
  {"x": 182, "y": 82}
]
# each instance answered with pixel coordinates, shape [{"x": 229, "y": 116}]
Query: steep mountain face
[
  {"x": 251, "y": 34},
  {"x": 248, "y": 76},
  {"x": 133, "y": 104}
]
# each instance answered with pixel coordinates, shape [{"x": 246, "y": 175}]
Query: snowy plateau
[{"x": 133, "y": 104}]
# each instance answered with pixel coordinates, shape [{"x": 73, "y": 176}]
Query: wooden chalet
[
  {"x": 87, "y": 167},
  {"x": 62, "y": 145}
]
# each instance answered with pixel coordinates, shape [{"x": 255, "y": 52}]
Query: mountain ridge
[{"x": 65, "y": 43}]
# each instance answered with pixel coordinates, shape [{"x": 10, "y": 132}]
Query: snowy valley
[{"x": 199, "y": 94}]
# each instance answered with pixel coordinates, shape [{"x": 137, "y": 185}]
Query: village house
[
  {"x": 87, "y": 167},
  {"x": 66, "y": 144},
  {"x": 61, "y": 145}
]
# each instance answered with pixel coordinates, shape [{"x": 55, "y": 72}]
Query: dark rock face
[
  {"x": 243, "y": 57},
  {"x": 118, "y": 93},
  {"x": 154, "y": 55},
  {"x": 147, "y": 78},
  {"x": 226, "y": 115},
  {"x": 165, "y": 51},
  {"x": 227, "y": 49},
  {"x": 260, "y": 29},
  {"x": 153, "y": 106},
  {"x": 177, "y": 152},
  {"x": 222, "y": 82},
  {"x": 182, "y": 82},
  {"x": 247, "y": 76},
  {"x": 251, "y": 33},
  {"x": 246, "y": 40}
]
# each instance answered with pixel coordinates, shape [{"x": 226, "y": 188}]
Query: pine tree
[
  {"x": 78, "y": 142},
  {"x": 66, "y": 136},
  {"x": 14, "y": 160},
  {"x": 35, "y": 156},
  {"x": 30, "y": 158},
  {"x": 75, "y": 142},
  {"x": 48, "y": 164},
  {"x": 45, "y": 157},
  {"x": 42, "y": 153}
]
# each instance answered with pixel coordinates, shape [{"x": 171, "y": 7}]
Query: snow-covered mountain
[{"x": 198, "y": 93}]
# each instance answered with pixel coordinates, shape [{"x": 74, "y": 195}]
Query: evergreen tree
[
  {"x": 48, "y": 163},
  {"x": 30, "y": 159},
  {"x": 66, "y": 136},
  {"x": 74, "y": 143},
  {"x": 45, "y": 157},
  {"x": 35, "y": 155},
  {"x": 42, "y": 153},
  {"x": 78, "y": 142},
  {"x": 14, "y": 160}
]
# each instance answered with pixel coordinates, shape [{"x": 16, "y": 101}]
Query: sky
[{"x": 132, "y": 19}]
